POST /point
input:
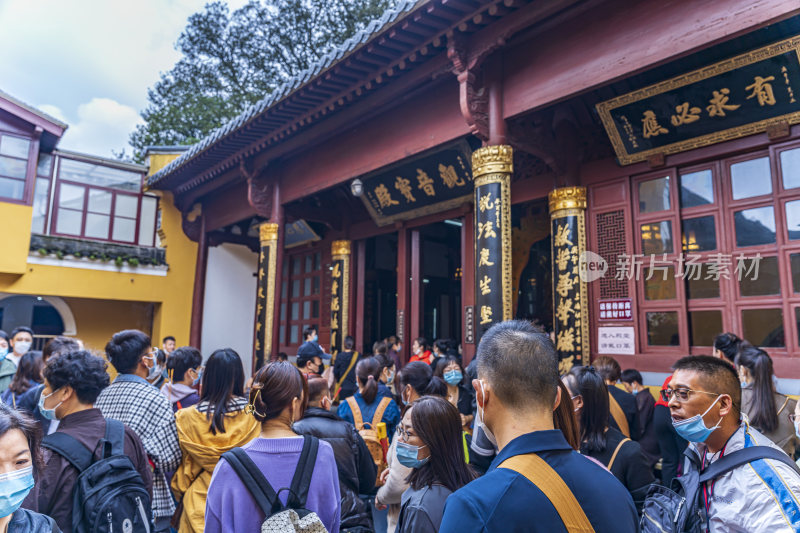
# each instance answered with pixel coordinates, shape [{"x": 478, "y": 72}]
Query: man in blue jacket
[{"x": 517, "y": 391}]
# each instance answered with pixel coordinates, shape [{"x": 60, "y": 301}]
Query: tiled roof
[{"x": 350, "y": 45}]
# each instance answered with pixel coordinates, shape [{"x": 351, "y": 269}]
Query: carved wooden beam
[
  {"x": 259, "y": 187},
  {"x": 473, "y": 96},
  {"x": 191, "y": 222}
]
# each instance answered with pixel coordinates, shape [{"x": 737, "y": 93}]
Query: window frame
[
  {"x": 288, "y": 278},
  {"x": 30, "y": 169}
]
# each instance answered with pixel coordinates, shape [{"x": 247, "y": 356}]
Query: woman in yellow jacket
[{"x": 215, "y": 425}]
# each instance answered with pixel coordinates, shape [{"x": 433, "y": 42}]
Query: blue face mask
[
  {"x": 199, "y": 378},
  {"x": 634, "y": 392},
  {"x": 14, "y": 487},
  {"x": 49, "y": 414},
  {"x": 407, "y": 455},
  {"x": 453, "y": 377},
  {"x": 314, "y": 338},
  {"x": 3, "y": 353},
  {"x": 694, "y": 429}
]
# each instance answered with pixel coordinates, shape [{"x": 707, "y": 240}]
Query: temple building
[{"x": 626, "y": 177}]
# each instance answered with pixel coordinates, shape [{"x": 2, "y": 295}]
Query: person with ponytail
[
  {"x": 766, "y": 409},
  {"x": 367, "y": 400},
  {"x": 412, "y": 382}
]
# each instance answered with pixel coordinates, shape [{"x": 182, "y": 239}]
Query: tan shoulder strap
[
  {"x": 785, "y": 403},
  {"x": 619, "y": 415},
  {"x": 346, "y": 373},
  {"x": 550, "y": 483},
  {"x": 376, "y": 418},
  {"x": 616, "y": 451},
  {"x": 358, "y": 422}
]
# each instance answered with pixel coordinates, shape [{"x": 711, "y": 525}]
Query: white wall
[{"x": 230, "y": 301}]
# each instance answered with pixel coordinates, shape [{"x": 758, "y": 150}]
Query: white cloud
[{"x": 103, "y": 125}]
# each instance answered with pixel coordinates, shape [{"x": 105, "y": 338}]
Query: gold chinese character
[
  {"x": 484, "y": 259},
  {"x": 486, "y": 314},
  {"x": 384, "y": 198},
  {"x": 486, "y": 229},
  {"x": 564, "y": 310},
  {"x": 335, "y": 286},
  {"x": 563, "y": 257},
  {"x": 562, "y": 236},
  {"x": 564, "y": 286},
  {"x": 485, "y": 202},
  {"x": 484, "y": 285},
  {"x": 258, "y": 345},
  {"x": 762, "y": 90},
  {"x": 565, "y": 365},
  {"x": 261, "y": 292},
  {"x": 425, "y": 183},
  {"x": 686, "y": 115},
  {"x": 337, "y": 272},
  {"x": 565, "y": 341},
  {"x": 719, "y": 104},
  {"x": 449, "y": 176},
  {"x": 404, "y": 186},
  {"x": 651, "y": 127},
  {"x": 335, "y": 303},
  {"x": 259, "y": 325},
  {"x": 333, "y": 338},
  {"x": 335, "y": 321},
  {"x": 261, "y": 273}
]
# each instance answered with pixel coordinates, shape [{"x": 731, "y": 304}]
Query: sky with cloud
[{"x": 89, "y": 62}]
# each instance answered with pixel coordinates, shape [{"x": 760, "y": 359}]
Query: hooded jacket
[
  {"x": 7, "y": 371},
  {"x": 179, "y": 395},
  {"x": 201, "y": 452},
  {"x": 353, "y": 461}
]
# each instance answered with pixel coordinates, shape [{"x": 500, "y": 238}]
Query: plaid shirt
[{"x": 133, "y": 401}]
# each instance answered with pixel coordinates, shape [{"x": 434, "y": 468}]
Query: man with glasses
[{"x": 704, "y": 398}]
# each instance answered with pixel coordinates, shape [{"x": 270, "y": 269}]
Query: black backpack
[
  {"x": 679, "y": 509},
  {"x": 292, "y": 517},
  {"x": 109, "y": 494}
]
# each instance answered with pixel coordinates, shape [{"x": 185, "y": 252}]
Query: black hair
[
  {"x": 283, "y": 356},
  {"x": 303, "y": 360},
  {"x": 11, "y": 419},
  {"x": 608, "y": 368},
  {"x": 384, "y": 360},
  {"x": 368, "y": 371},
  {"x": 59, "y": 345},
  {"x": 521, "y": 364},
  {"x": 181, "y": 360},
  {"x": 442, "y": 345},
  {"x": 631, "y": 375},
  {"x": 168, "y": 338},
  {"x": 380, "y": 347},
  {"x": 126, "y": 348},
  {"x": 29, "y": 371},
  {"x": 223, "y": 379},
  {"x": 763, "y": 413},
  {"x": 84, "y": 372},
  {"x": 719, "y": 376},
  {"x": 349, "y": 343},
  {"x": 587, "y": 382},
  {"x": 728, "y": 344},
  {"x": 423, "y": 343},
  {"x": 420, "y": 376},
  {"x": 274, "y": 388},
  {"x": 308, "y": 331},
  {"x": 4, "y": 335},
  {"x": 21, "y": 329},
  {"x": 438, "y": 424},
  {"x": 444, "y": 362}
]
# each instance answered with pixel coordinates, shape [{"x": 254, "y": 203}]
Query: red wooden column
[
  {"x": 403, "y": 295},
  {"x": 277, "y": 216},
  {"x": 199, "y": 290},
  {"x": 468, "y": 285},
  {"x": 415, "y": 289},
  {"x": 357, "y": 291}
]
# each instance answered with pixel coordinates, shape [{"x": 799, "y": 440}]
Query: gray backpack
[
  {"x": 292, "y": 517},
  {"x": 679, "y": 509}
]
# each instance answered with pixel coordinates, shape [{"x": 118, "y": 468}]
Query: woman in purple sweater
[{"x": 278, "y": 397}]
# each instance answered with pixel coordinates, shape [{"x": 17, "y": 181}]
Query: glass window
[
  {"x": 751, "y": 178},
  {"x": 315, "y": 289},
  {"x": 69, "y": 222},
  {"x": 315, "y": 309},
  {"x": 662, "y": 328},
  {"x": 102, "y": 176},
  {"x": 793, "y": 219},
  {"x": 100, "y": 201},
  {"x": 755, "y": 226},
  {"x": 283, "y": 312},
  {"x": 761, "y": 282},
  {"x": 71, "y": 196},
  {"x": 296, "y": 265},
  {"x": 795, "y": 261},
  {"x": 295, "y": 311},
  {"x": 124, "y": 229},
  {"x": 14, "y": 189},
  {"x": 661, "y": 285},
  {"x": 147, "y": 221},
  {"x": 763, "y": 327},
  {"x": 657, "y": 238},
  {"x": 790, "y": 168},
  {"x": 317, "y": 261},
  {"x": 700, "y": 282},
  {"x": 309, "y": 263},
  {"x": 306, "y": 310},
  {"x": 40, "y": 205},
  {"x": 654, "y": 195},
  {"x": 282, "y": 335},
  {"x": 699, "y": 234},
  {"x": 13, "y": 168},
  {"x": 15, "y": 147},
  {"x": 296, "y": 288},
  {"x": 294, "y": 335},
  {"x": 44, "y": 165},
  {"x": 97, "y": 226},
  {"x": 697, "y": 188},
  {"x": 307, "y": 287},
  {"x": 703, "y": 326},
  {"x": 284, "y": 290},
  {"x": 126, "y": 206}
]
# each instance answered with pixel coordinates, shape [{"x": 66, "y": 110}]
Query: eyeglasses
[
  {"x": 682, "y": 393},
  {"x": 793, "y": 417},
  {"x": 403, "y": 433}
]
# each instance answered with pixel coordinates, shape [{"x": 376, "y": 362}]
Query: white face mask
[
  {"x": 22, "y": 347},
  {"x": 483, "y": 440}
]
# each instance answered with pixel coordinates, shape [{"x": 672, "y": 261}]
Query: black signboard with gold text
[{"x": 730, "y": 99}]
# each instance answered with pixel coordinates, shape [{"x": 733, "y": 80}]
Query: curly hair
[{"x": 84, "y": 372}]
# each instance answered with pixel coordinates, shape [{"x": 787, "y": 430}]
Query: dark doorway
[
  {"x": 440, "y": 289},
  {"x": 531, "y": 269},
  {"x": 380, "y": 290}
]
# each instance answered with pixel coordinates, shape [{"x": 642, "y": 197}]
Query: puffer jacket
[
  {"x": 7, "y": 371},
  {"x": 784, "y": 435},
  {"x": 356, "y": 469},
  {"x": 201, "y": 452},
  {"x": 762, "y": 496}
]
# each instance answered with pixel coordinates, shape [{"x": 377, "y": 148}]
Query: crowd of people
[{"x": 362, "y": 442}]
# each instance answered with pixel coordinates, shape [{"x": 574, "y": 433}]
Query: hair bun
[{"x": 370, "y": 377}]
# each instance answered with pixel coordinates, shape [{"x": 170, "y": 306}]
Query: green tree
[{"x": 232, "y": 60}]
